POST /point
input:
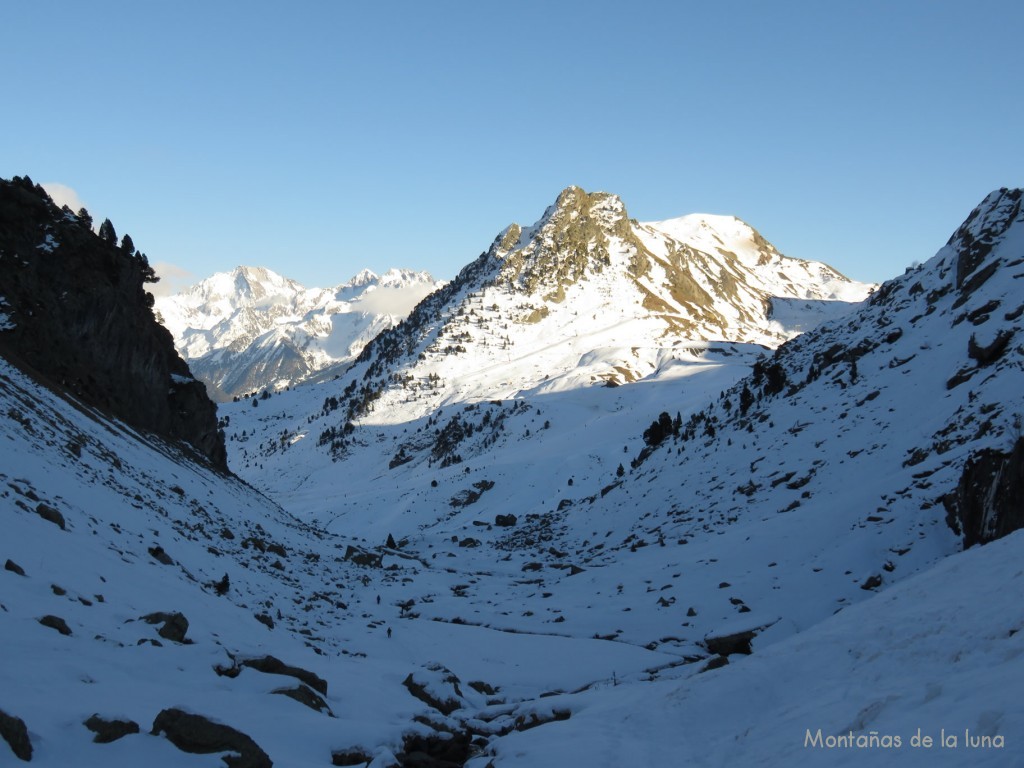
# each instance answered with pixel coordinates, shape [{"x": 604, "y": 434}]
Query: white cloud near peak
[
  {"x": 173, "y": 279},
  {"x": 62, "y": 194}
]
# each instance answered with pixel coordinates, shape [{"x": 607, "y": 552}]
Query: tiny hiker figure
[
  {"x": 389, "y": 633},
  {"x": 378, "y": 599}
]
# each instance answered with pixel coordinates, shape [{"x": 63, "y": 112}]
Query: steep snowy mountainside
[
  {"x": 586, "y": 277},
  {"x": 75, "y": 311},
  {"x": 250, "y": 329}
]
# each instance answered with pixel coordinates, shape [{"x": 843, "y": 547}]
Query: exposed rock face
[
  {"x": 198, "y": 735},
  {"x": 76, "y": 311},
  {"x": 988, "y": 503},
  {"x": 976, "y": 237},
  {"x": 726, "y": 645}
]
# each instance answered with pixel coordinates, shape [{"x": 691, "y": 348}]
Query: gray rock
[
  {"x": 110, "y": 730},
  {"x": 50, "y": 514},
  {"x": 726, "y": 645},
  {"x": 55, "y": 622},
  {"x": 15, "y": 734},
  {"x": 305, "y": 696},
  {"x": 271, "y": 665},
  {"x": 988, "y": 502},
  {"x": 351, "y": 757},
  {"x": 174, "y": 625},
  {"x": 200, "y": 735}
]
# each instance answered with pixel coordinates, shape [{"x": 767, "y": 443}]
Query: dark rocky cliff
[
  {"x": 73, "y": 308},
  {"x": 988, "y": 503}
]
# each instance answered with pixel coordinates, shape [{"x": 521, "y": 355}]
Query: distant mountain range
[{"x": 251, "y": 329}]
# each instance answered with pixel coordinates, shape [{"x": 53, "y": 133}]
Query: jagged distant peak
[{"x": 361, "y": 278}]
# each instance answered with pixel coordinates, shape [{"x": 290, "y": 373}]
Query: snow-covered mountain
[
  {"x": 770, "y": 572},
  {"x": 586, "y": 295},
  {"x": 252, "y": 329}
]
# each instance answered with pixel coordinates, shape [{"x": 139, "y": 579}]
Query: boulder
[
  {"x": 271, "y": 665},
  {"x": 437, "y": 687},
  {"x": 50, "y": 514},
  {"x": 200, "y": 735},
  {"x": 351, "y": 757},
  {"x": 174, "y": 625},
  {"x": 110, "y": 730},
  {"x": 15, "y": 734},
  {"x": 55, "y": 622}
]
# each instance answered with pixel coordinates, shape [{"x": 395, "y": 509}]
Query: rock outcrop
[
  {"x": 988, "y": 502},
  {"x": 75, "y": 311}
]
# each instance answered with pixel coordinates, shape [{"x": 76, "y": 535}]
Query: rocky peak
[
  {"x": 568, "y": 243},
  {"x": 362, "y": 278},
  {"x": 987, "y": 225},
  {"x": 78, "y": 315}
]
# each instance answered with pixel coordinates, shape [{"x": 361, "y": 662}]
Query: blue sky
[{"x": 318, "y": 138}]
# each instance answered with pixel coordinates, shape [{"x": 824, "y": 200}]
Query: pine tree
[
  {"x": 127, "y": 245},
  {"x": 107, "y": 232},
  {"x": 149, "y": 275},
  {"x": 85, "y": 218}
]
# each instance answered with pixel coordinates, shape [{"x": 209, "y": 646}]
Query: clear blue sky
[{"x": 318, "y": 138}]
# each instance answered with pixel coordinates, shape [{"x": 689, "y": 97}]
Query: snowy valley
[{"x": 620, "y": 493}]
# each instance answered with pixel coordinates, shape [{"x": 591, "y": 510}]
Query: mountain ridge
[{"x": 585, "y": 270}]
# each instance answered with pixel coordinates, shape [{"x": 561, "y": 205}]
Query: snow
[{"x": 49, "y": 244}]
